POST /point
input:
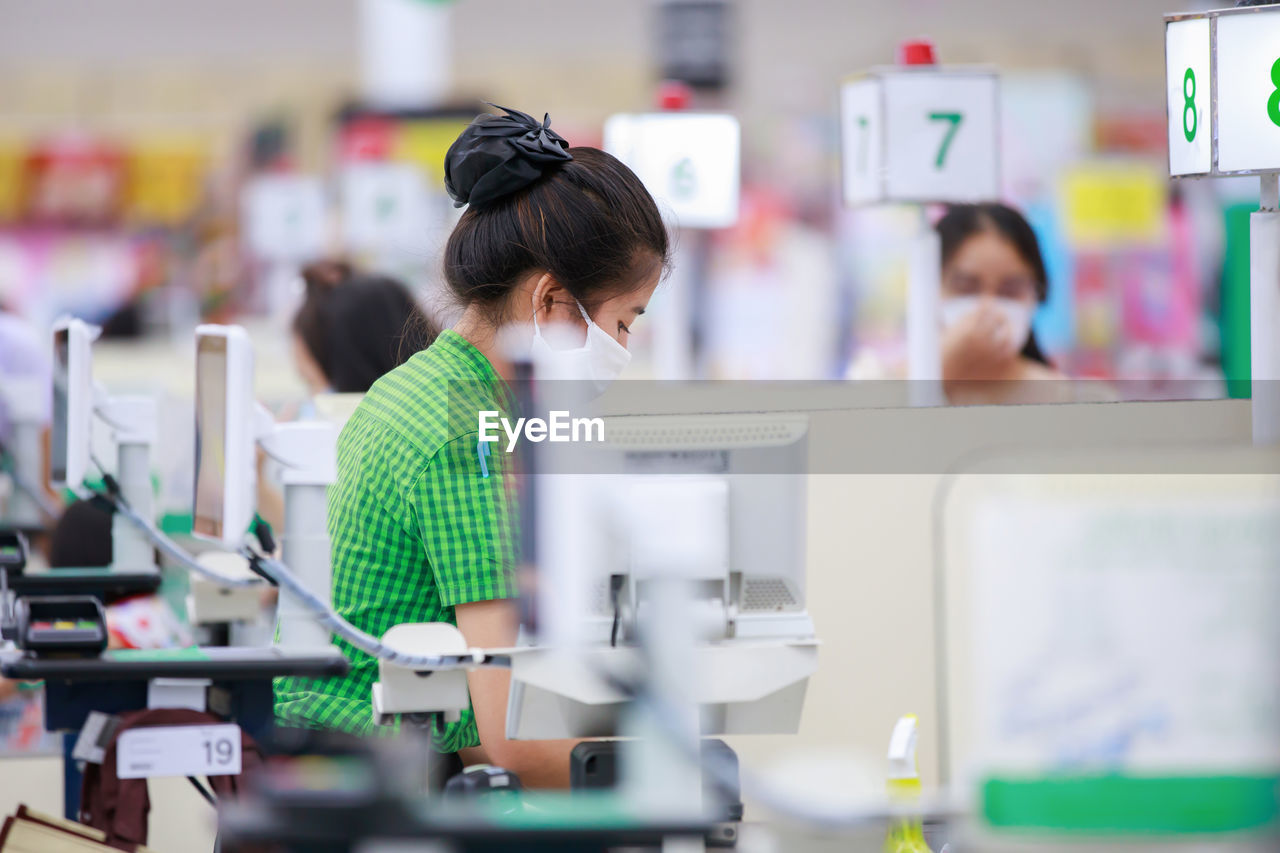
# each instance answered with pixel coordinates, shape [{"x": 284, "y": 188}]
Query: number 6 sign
[
  {"x": 1223, "y": 80},
  {"x": 921, "y": 135}
]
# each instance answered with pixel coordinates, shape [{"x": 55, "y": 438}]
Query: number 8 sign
[
  {"x": 921, "y": 135},
  {"x": 1189, "y": 80},
  {"x": 1223, "y": 84}
]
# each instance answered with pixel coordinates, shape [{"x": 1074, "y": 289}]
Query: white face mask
[
  {"x": 599, "y": 360},
  {"x": 1017, "y": 317}
]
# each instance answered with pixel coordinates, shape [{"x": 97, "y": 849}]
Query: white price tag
[
  {"x": 921, "y": 136},
  {"x": 285, "y": 217},
  {"x": 1248, "y": 51},
  {"x": 385, "y": 206},
  {"x": 144, "y": 753},
  {"x": 1189, "y": 82},
  {"x": 690, "y": 162}
]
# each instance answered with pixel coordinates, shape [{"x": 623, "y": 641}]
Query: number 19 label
[{"x": 152, "y": 751}]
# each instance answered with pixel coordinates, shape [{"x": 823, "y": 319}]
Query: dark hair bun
[
  {"x": 326, "y": 275},
  {"x": 499, "y": 154}
]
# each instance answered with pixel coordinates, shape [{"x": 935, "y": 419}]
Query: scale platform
[
  {"x": 104, "y": 584},
  {"x": 214, "y": 663},
  {"x": 239, "y": 680}
]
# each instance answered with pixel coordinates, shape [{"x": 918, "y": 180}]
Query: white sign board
[
  {"x": 1126, "y": 636},
  {"x": 385, "y": 206},
  {"x": 690, "y": 162},
  {"x": 1188, "y": 70},
  {"x": 285, "y": 217},
  {"x": 921, "y": 135},
  {"x": 1248, "y": 53},
  {"x": 150, "y": 751},
  {"x": 1227, "y": 123}
]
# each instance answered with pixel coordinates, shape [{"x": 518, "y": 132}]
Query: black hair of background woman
[
  {"x": 359, "y": 327},
  {"x": 967, "y": 220},
  {"x": 81, "y": 538}
]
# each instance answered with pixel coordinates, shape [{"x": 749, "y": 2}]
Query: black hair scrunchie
[{"x": 498, "y": 155}]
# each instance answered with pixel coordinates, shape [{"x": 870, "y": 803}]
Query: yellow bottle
[{"x": 906, "y": 834}]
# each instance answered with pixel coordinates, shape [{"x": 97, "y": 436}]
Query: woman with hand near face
[{"x": 993, "y": 280}]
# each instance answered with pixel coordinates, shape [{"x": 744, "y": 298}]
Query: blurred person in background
[
  {"x": 351, "y": 329},
  {"x": 993, "y": 280},
  {"x": 25, "y": 356},
  {"x": 81, "y": 539}
]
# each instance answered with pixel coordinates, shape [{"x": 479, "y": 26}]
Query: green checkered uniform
[{"x": 420, "y": 522}]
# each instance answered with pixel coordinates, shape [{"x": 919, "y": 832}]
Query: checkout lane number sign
[
  {"x": 921, "y": 136},
  {"x": 1190, "y": 85},
  {"x": 147, "y": 752},
  {"x": 1249, "y": 92},
  {"x": 1223, "y": 80}
]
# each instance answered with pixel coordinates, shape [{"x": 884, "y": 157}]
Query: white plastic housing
[
  {"x": 225, "y": 473},
  {"x": 72, "y": 401}
]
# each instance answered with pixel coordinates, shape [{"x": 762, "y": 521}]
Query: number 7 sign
[{"x": 921, "y": 135}]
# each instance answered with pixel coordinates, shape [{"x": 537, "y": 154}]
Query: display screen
[
  {"x": 61, "y": 380},
  {"x": 211, "y": 435}
]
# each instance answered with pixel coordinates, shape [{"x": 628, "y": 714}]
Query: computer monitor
[
  {"x": 225, "y": 474},
  {"x": 718, "y": 499},
  {"x": 732, "y": 490},
  {"x": 72, "y": 401}
]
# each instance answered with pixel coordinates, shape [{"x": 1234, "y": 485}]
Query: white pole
[
  {"x": 924, "y": 340},
  {"x": 131, "y": 550},
  {"x": 309, "y": 453},
  {"x": 673, "y": 357},
  {"x": 133, "y": 429},
  {"x": 405, "y": 53},
  {"x": 305, "y": 549},
  {"x": 1264, "y": 288},
  {"x": 657, "y": 775}
]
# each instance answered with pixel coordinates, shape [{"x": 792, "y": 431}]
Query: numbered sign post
[
  {"x": 918, "y": 135},
  {"x": 1223, "y": 80},
  {"x": 688, "y": 161},
  {"x": 691, "y": 163},
  {"x": 385, "y": 207},
  {"x": 286, "y": 224},
  {"x": 921, "y": 136}
]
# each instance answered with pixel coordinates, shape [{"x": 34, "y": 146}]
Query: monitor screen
[
  {"x": 211, "y": 435},
  {"x": 61, "y": 383}
]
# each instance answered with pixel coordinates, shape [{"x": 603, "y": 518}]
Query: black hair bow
[{"x": 499, "y": 154}]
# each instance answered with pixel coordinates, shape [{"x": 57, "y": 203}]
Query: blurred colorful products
[
  {"x": 165, "y": 180},
  {"x": 73, "y": 180},
  {"x": 1114, "y": 203}
]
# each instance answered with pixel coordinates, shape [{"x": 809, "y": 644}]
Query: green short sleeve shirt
[{"x": 422, "y": 518}]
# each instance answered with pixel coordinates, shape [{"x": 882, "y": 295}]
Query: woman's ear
[
  {"x": 552, "y": 300},
  {"x": 544, "y": 294}
]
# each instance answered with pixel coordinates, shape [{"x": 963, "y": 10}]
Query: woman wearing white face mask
[
  {"x": 993, "y": 279},
  {"x": 422, "y": 523}
]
